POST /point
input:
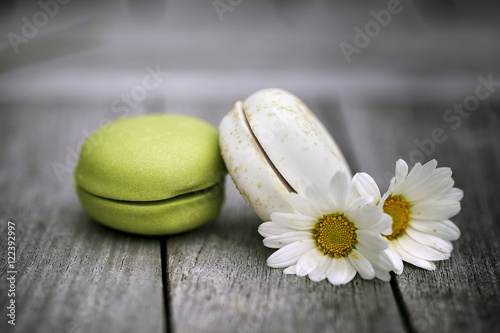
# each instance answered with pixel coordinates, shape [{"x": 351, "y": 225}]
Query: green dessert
[{"x": 153, "y": 175}]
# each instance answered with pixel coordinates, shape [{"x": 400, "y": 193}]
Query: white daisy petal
[
  {"x": 401, "y": 170},
  {"x": 340, "y": 271},
  {"x": 304, "y": 206},
  {"x": 267, "y": 229},
  {"x": 409, "y": 258},
  {"x": 420, "y": 250},
  {"x": 429, "y": 167},
  {"x": 314, "y": 194},
  {"x": 351, "y": 271},
  {"x": 361, "y": 264},
  {"x": 338, "y": 190},
  {"x": 427, "y": 170},
  {"x": 417, "y": 181},
  {"x": 408, "y": 181},
  {"x": 354, "y": 208},
  {"x": 378, "y": 260},
  {"x": 289, "y": 270},
  {"x": 372, "y": 218},
  {"x": 276, "y": 242},
  {"x": 366, "y": 186},
  {"x": 454, "y": 194},
  {"x": 432, "y": 190},
  {"x": 385, "y": 224},
  {"x": 381, "y": 263},
  {"x": 435, "y": 242},
  {"x": 371, "y": 240},
  {"x": 290, "y": 254},
  {"x": 396, "y": 259},
  {"x": 308, "y": 262},
  {"x": 294, "y": 221},
  {"x": 352, "y": 193},
  {"x": 369, "y": 215},
  {"x": 446, "y": 229},
  {"x": 319, "y": 273},
  {"x": 440, "y": 174},
  {"x": 382, "y": 274},
  {"x": 389, "y": 191},
  {"x": 430, "y": 177},
  {"x": 417, "y": 178},
  {"x": 435, "y": 210}
]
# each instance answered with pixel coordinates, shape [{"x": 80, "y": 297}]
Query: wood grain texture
[
  {"x": 73, "y": 274},
  {"x": 77, "y": 276},
  {"x": 219, "y": 281},
  {"x": 462, "y": 294}
]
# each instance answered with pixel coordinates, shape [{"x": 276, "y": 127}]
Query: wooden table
[{"x": 74, "y": 275}]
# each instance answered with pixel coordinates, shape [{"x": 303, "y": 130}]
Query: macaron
[
  {"x": 273, "y": 145},
  {"x": 155, "y": 174}
]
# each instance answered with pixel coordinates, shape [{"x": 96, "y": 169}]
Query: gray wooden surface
[{"x": 74, "y": 275}]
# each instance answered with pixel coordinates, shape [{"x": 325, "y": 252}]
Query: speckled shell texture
[{"x": 271, "y": 144}]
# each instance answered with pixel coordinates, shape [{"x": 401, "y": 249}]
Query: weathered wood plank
[
  {"x": 219, "y": 282},
  {"x": 73, "y": 274},
  {"x": 462, "y": 294}
]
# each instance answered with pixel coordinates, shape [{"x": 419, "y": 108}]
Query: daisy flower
[
  {"x": 420, "y": 203},
  {"x": 335, "y": 234}
]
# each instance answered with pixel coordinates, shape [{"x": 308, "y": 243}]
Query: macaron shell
[
  {"x": 294, "y": 139},
  {"x": 163, "y": 217},
  {"x": 150, "y": 157},
  {"x": 252, "y": 174}
]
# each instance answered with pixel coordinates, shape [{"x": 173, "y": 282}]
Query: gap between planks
[{"x": 166, "y": 284}]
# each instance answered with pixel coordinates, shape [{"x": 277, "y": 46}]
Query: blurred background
[
  {"x": 91, "y": 52},
  {"x": 128, "y": 57}
]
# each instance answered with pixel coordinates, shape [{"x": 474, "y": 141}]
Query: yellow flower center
[
  {"x": 335, "y": 235},
  {"x": 399, "y": 209}
]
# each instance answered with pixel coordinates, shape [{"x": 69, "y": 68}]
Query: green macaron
[{"x": 155, "y": 174}]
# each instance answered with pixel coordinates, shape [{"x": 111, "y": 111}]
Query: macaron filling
[
  {"x": 160, "y": 217},
  {"x": 200, "y": 193}
]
